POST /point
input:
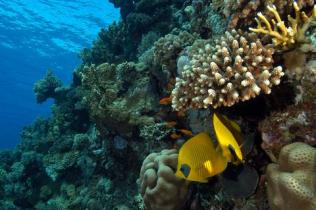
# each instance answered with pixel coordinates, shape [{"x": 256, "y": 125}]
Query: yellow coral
[{"x": 282, "y": 35}]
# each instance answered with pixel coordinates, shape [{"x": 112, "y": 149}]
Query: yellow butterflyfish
[
  {"x": 198, "y": 159},
  {"x": 228, "y": 133}
]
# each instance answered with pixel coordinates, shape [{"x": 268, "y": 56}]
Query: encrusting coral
[
  {"x": 159, "y": 187},
  {"x": 295, "y": 123},
  {"x": 282, "y": 35},
  {"x": 236, "y": 69},
  {"x": 291, "y": 183}
]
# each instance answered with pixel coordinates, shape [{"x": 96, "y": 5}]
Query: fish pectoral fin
[{"x": 208, "y": 166}]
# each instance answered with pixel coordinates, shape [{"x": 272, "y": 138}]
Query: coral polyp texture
[
  {"x": 281, "y": 34},
  {"x": 291, "y": 182},
  {"x": 159, "y": 187},
  {"x": 167, "y": 48},
  {"x": 237, "y": 68}
]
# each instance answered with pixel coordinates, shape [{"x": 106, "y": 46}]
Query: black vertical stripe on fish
[{"x": 233, "y": 152}]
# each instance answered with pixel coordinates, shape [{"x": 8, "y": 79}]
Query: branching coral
[
  {"x": 282, "y": 35},
  {"x": 160, "y": 188},
  {"x": 237, "y": 68},
  {"x": 291, "y": 182}
]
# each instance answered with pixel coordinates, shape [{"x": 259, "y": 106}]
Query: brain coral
[
  {"x": 237, "y": 68},
  {"x": 291, "y": 182},
  {"x": 160, "y": 188}
]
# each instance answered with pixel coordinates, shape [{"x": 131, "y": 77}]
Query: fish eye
[{"x": 185, "y": 169}]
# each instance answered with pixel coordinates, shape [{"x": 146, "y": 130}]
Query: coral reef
[
  {"x": 167, "y": 48},
  {"x": 116, "y": 111},
  {"x": 46, "y": 88},
  {"x": 242, "y": 13},
  {"x": 295, "y": 123},
  {"x": 285, "y": 36},
  {"x": 159, "y": 187},
  {"x": 119, "y": 41},
  {"x": 236, "y": 69},
  {"x": 204, "y": 19},
  {"x": 114, "y": 101},
  {"x": 291, "y": 182}
]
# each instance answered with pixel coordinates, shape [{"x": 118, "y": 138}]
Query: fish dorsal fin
[
  {"x": 233, "y": 126},
  {"x": 230, "y": 123},
  {"x": 225, "y": 137}
]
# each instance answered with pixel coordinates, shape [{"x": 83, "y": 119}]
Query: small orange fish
[
  {"x": 186, "y": 132},
  {"x": 171, "y": 124},
  {"x": 175, "y": 136},
  {"x": 165, "y": 100}
]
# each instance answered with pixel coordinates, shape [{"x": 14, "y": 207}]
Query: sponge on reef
[
  {"x": 159, "y": 187},
  {"x": 292, "y": 182}
]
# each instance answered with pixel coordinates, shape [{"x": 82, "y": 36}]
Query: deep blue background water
[{"x": 36, "y": 35}]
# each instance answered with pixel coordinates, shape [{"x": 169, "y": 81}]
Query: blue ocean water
[{"x": 37, "y": 35}]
